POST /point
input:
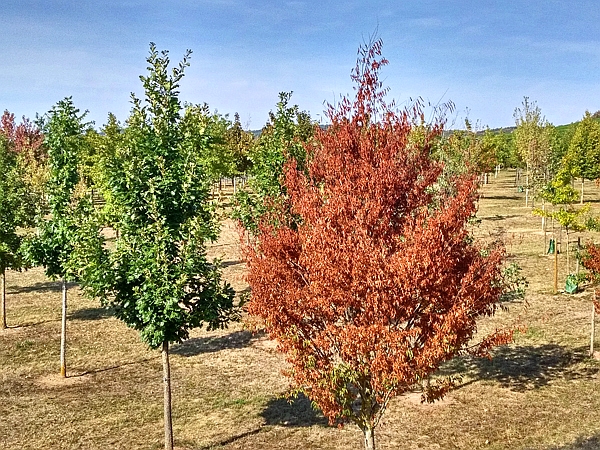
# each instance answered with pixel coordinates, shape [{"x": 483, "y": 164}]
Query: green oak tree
[
  {"x": 157, "y": 276},
  {"x": 57, "y": 235},
  {"x": 17, "y": 207},
  {"x": 281, "y": 139},
  {"x": 533, "y": 141},
  {"x": 205, "y": 133},
  {"x": 27, "y": 140},
  {"x": 582, "y": 159},
  {"x": 239, "y": 142},
  {"x": 466, "y": 151}
]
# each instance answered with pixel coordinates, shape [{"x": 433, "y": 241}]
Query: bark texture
[
  {"x": 3, "y": 303},
  {"x": 167, "y": 397},
  {"x": 63, "y": 332},
  {"x": 369, "y": 435}
]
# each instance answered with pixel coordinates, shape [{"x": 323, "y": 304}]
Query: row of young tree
[
  {"x": 548, "y": 160},
  {"x": 357, "y": 236}
]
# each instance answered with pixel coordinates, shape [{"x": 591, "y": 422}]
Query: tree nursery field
[{"x": 540, "y": 392}]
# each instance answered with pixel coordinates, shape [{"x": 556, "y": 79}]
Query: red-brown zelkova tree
[
  {"x": 591, "y": 261},
  {"x": 368, "y": 276}
]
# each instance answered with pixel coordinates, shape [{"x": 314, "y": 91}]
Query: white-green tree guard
[{"x": 158, "y": 278}]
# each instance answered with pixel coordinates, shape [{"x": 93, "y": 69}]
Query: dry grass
[{"x": 539, "y": 393}]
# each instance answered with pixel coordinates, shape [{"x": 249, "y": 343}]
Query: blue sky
[{"x": 482, "y": 55}]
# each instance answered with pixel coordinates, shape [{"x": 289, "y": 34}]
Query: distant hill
[{"x": 562, "y": 129}]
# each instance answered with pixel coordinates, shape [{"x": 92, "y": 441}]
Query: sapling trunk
[
  {"x": 167, "y": 396},
  {"x": 581, "y": 201},
  {"x": 3, "y": 303},
  {"x": 578, "y": 254},
  {"x": 544, "y": 224},
  {"x": 592, "y": 337},
  {"x": 63, "y": 331},
  {"x": 544, "y": 215},
  {"x": 369, "y": 435},
  {"x": 568, "y": 265},
  {"x": 555, "y": 267},
  {"x": 527, "y": 187}
]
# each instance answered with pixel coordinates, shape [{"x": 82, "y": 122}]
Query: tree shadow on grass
[
  {"x": 92, "y": 314},
  {"x": 231, "y": 263},
  {"x": 293, "y": 412},
  {"x": 114, "y": 367},
  {"x": 522, "y": 368},
  {"x": 30, "y": 324},
  {"x": 499, "y": 217},
  {"x": 582, "y": 443},
  {"x": 211, "y": 344},
  {"x": 40, "y": 287},
  {"x": 502, "y": 197}
]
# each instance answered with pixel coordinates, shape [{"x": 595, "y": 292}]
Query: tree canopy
[
  {"x": 376, "y": 281},
  {"x": 283, "y": 137},
  {"x": 158, "y": 278}
]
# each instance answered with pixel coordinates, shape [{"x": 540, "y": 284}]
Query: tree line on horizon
[{"x": 357, "y": 239}]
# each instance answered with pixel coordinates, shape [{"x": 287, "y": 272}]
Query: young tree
[
  {"x": 282, "y": 137},
  {"x": 57, "y": 237},
  {"x": 239, "y": 142},
  {"x": 464, "y": 151},
  {"x": 103, "y": 147},
  {"x": 503, "y": 144},
  {"x": 22, "y": 164},
  {"x": 533, "y": 139},
  {"x": 582, "y": 159},
  {"x": 16, "y": 210},
  {"x": 27, "y": 141},
  {"x": 158, "y": 277},
  {"x": 206, "y": 133},
  {"x": 591, "y": 261},
  {"x": 560, "y": 193},
  {"x": 376, "y": 281}
]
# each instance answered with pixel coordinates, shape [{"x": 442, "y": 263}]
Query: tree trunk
[
  {"x": 581, "y": 201},
  {"x": 578, "y": 255},
  {"x": 369, "y": 435},
  {"x": 544, "y": 218},
  {"x": 568, "y": 265},
  {"x": 592, "y": 336},
  {"x": 63, "y": 331},
  {"x": 544, "y": 224},
  {"x": 555, "y": 266},
  {"x": 167, "y": 396},
  {"x": 3, "y": 303},
  {"x": 527, "y": 187}
]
